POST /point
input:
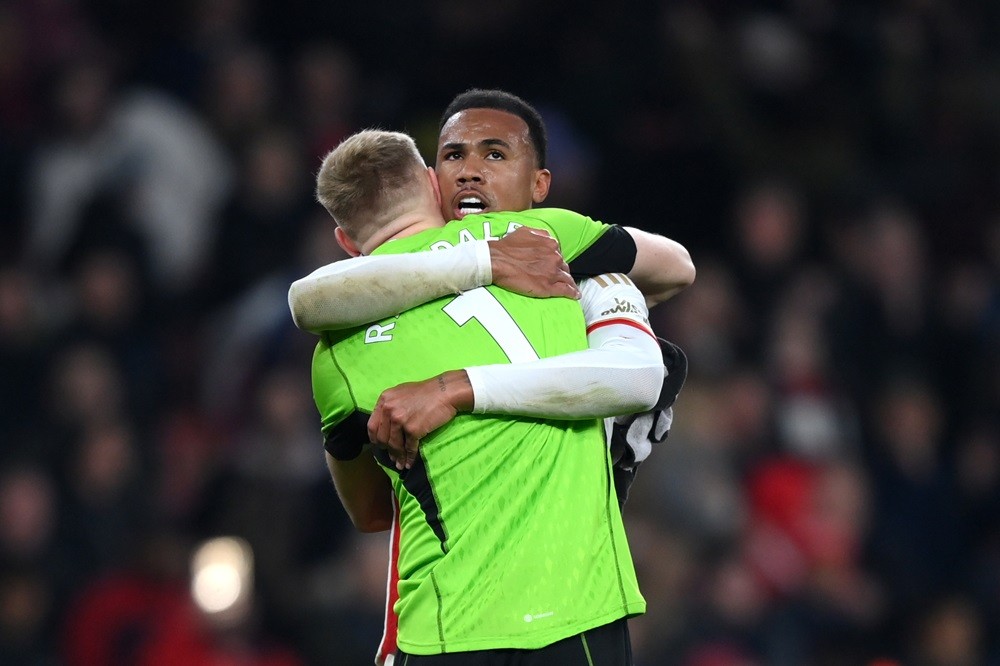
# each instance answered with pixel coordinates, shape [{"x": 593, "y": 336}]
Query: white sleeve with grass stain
[{"x": 361, "y": 290}]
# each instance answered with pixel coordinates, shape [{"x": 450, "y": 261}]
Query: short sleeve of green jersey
[
  {"x": 331, "y": 390},
  {"x": 574, "y": 231}
]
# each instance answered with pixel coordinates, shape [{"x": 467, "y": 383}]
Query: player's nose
[{"x": 470, "y": 171}]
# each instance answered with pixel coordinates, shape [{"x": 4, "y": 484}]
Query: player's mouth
[{"x": 469, "y": 204}]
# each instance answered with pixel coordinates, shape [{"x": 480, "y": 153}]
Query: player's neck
[{"x": 405, "y": 225}]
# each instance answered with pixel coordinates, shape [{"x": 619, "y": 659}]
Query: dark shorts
[{"x": 607, "y": 645}]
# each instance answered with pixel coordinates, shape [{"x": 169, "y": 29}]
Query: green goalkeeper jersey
[{"x": 510, "y": 531}]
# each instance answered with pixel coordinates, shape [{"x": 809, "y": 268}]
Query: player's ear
[
  {"x": 543, "y": 180},
  {"x": 436, "y": 184},
  {"x": 345, "y": 242}
]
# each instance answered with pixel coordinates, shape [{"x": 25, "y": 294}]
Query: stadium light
[{"x": 222, "y": 579}]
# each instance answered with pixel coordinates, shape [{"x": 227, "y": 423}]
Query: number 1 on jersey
[{"x": 481, "y": 305}]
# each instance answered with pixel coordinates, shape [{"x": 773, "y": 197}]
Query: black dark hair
[{"x": 478, "y": 98}]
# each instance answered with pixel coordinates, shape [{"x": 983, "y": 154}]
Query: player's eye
[
  {"x": 494, "y": 155},
  {"x": 452, "y": 155}
]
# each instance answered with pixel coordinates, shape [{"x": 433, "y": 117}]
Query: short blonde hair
[{"x": 365, "y": 181}]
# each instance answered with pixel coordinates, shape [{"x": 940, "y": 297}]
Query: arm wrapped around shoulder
[{"x": 361, "y": 290}]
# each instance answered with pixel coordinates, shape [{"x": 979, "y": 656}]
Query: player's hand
[
  {"x": 528, "y": 261},
  {"x": 407, "y": 413}
]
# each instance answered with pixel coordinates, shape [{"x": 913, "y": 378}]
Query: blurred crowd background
[{"x": 830, "y": 493}]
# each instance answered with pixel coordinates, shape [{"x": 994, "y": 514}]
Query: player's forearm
[
  {"x": 663, "y": 267},
  {"x": 364, "y": 490},
  {"x": 357, "y": 291},
  {"x": 622, "y": 373}
]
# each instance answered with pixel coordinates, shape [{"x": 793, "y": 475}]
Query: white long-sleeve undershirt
[
  {"x": 357, "y": 291},
  {"x": 620, "y": 373}
]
